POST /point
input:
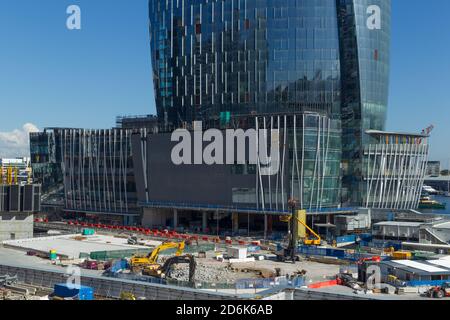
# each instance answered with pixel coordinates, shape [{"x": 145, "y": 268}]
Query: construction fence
[
  {"x": 122, "y": 254},
  {"x": 268, "y": 283},
  {"x": 341, "y": 254},
  {"x": 109, "y": 287}
]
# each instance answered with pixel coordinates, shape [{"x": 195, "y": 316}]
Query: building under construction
[
  {"x": 15, "y": 171},
  {"x": 17, "y": 205}
]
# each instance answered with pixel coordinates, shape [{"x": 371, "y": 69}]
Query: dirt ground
[{"x": 210, "y": 270}]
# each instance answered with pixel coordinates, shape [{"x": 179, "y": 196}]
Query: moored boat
[{"x": 431, "y": 204}]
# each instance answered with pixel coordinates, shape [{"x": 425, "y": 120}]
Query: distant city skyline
[{"x": 85, "y": 78}]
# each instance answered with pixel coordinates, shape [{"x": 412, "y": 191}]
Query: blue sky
[{"x": 50, "y": 76}]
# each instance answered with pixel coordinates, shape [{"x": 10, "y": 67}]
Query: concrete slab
[{"x": 68, "y": 246}]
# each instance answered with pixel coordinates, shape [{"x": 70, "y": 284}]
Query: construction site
[{"x": 137, "y": 263}]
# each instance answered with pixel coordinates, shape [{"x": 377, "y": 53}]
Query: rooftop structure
[{"x": 408, "y": 270}]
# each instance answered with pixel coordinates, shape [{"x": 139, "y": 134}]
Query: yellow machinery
[
  {"x": 317, "y": 241},
  {"x": 402, "y": 255},
  {"x": 127, "y": 296},
  {"x": 150, "y": 262},
  {"x": 11, "y": 177}
]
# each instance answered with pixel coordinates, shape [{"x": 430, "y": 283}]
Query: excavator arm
[
  {"x": 153, "y": 256},
  {"x": 189, "y": 259}
]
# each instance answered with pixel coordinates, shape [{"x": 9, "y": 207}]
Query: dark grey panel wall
[
  {"x": 195, "y": 184},
  {"x": 14, "y": 198},
  {"x": 17, "y": 198},
  {"x": 28, "y": 198}
]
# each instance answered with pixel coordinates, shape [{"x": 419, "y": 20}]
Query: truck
[{"x": 440, "y": 292}]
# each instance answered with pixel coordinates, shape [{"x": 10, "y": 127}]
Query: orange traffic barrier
[{"x": 324, "y": 284}]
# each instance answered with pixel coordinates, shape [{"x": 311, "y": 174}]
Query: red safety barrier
[{"x": 324, "y": 284}]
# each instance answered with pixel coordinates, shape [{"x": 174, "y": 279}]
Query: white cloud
[{"x": 16, "y": 143}]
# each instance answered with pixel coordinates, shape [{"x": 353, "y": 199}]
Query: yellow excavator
[{"x": 149, "y": 264}]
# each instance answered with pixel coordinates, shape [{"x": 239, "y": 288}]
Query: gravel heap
[{"x": 218, "y": 274}]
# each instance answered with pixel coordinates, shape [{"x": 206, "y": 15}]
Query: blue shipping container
[{"x": 346, "y": 239}]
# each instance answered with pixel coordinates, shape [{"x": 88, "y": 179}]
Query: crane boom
[
  {"x": 308, "y": 241},
  {"x": 428, "y": 130},
  {"x": 316, "y": 241}
]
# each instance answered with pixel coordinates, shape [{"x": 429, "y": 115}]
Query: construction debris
[{"x": 205, "y": 273}]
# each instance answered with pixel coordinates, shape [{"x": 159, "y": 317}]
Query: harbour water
[{"x": 440, "y": 199}]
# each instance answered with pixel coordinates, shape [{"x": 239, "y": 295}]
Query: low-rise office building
[
  {"x": 397, "y": 230},
  {"x": 17, "y": 205},
  {"x": 416, "y": 271}
]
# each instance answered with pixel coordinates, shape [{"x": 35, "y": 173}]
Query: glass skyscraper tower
[
  {"x": 320, "y": 65},
  {"x": 365, "y": 55}
]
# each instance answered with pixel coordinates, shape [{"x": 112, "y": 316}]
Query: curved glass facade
[
  {"x": 244, "y": 57},
  {"x": 365, "y": 60},
  {"x": 225, "y": 62}
]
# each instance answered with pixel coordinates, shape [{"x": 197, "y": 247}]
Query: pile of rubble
[{"x": 205, "y": 273}]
